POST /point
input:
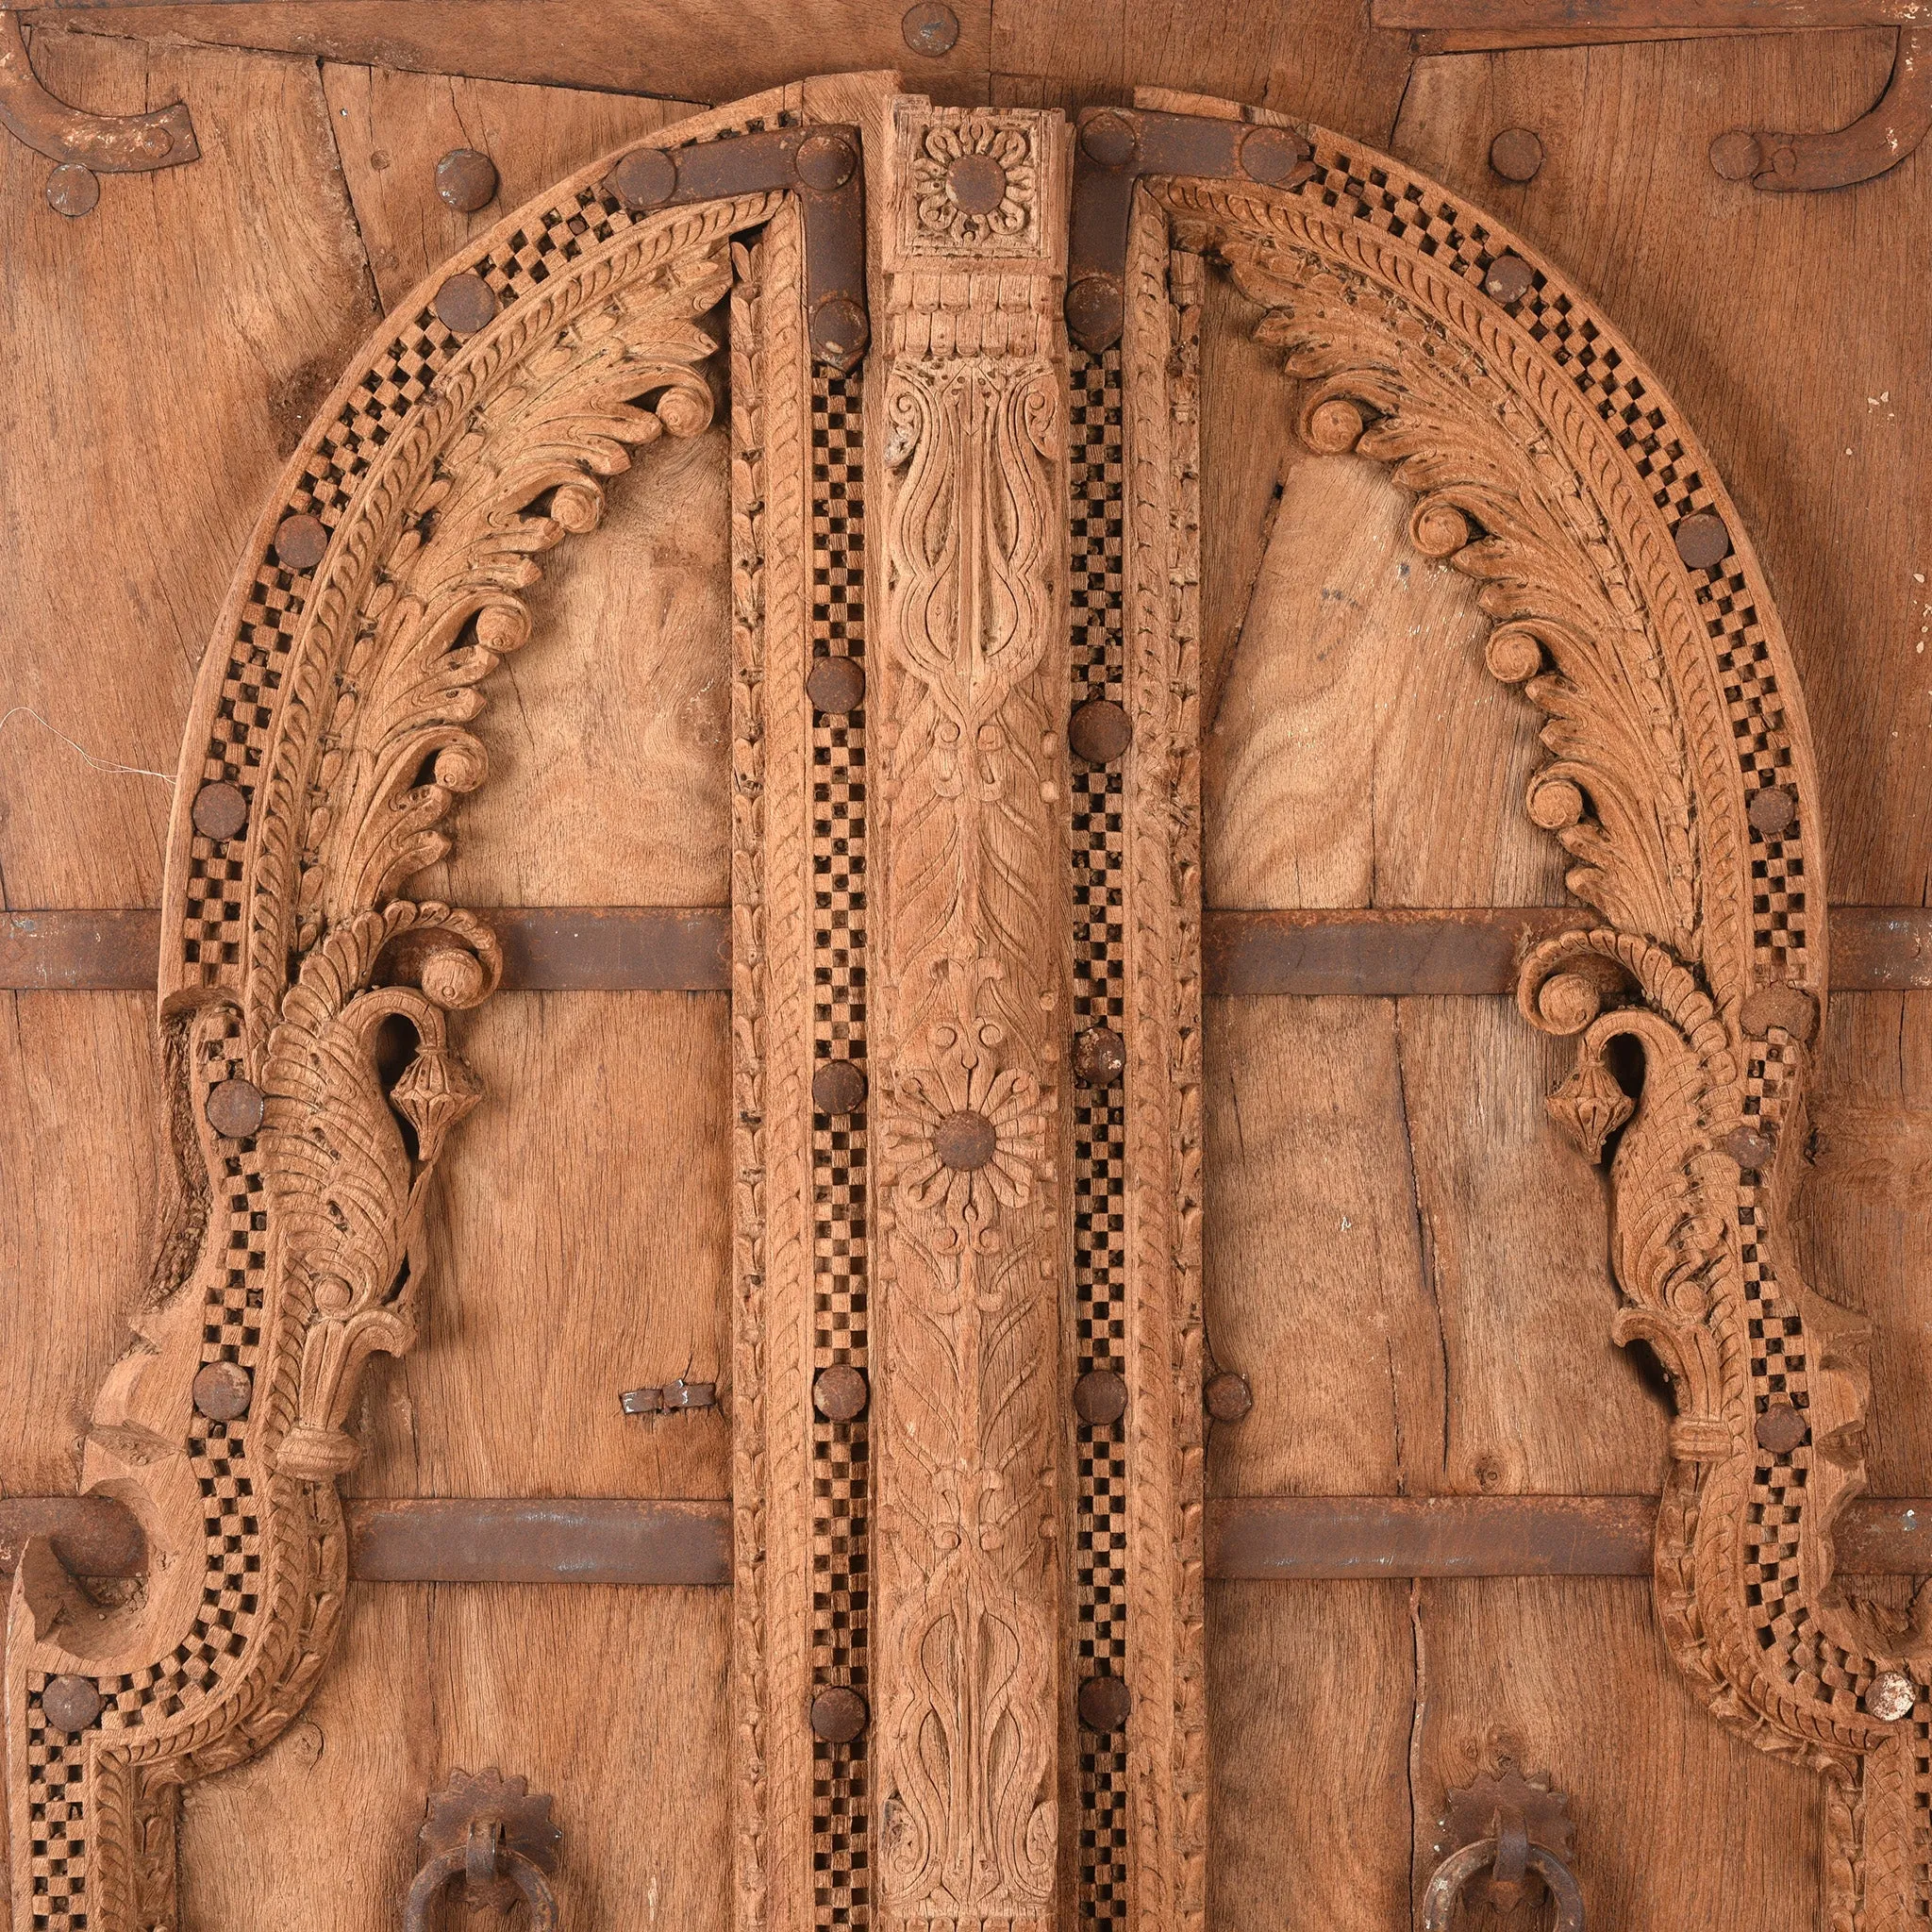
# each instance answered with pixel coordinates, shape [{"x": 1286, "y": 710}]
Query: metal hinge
[{"x": 670, "y": 1398}]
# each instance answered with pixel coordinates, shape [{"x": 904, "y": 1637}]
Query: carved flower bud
[
  {"x": 436, "y": 1091},
  {"x": 1590, "y": 1107}
]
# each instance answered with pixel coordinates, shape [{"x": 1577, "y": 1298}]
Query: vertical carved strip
[
  {"x": 772, "y": 1024},
  {"x": 840, "y": 1585},
  {"x": 969, "y": 1013}
]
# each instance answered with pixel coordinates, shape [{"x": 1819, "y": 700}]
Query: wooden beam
[{"x": 1309, "y": 1539}]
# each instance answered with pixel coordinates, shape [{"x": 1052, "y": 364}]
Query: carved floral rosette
[
  {"x": 333, "y": 709},
  {"x": 1549, "y": 467}
]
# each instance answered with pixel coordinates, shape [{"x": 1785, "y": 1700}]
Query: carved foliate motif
[{"x": 1548, "y": 467}]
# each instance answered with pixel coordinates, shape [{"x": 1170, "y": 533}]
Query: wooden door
[{"x": 995, "y": 1081}]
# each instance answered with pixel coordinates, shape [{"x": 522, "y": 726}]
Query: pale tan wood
[
  {"x": 233, "y": 275},
  {"x": 610, "y": 1699},
  {"x": 1321, "y": 60},
  {"x": 1311, "y": 1700},
  {"x": 1680, "y": 1826},
  {"x": 711, "y": 51},
  {"x": 577, "y": 1249},
  {"x": 391, "y": 128},
  {"x": 78, "y": 1085}
]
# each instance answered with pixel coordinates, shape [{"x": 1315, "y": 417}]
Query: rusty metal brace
[
  {"x": 1114, "y": 148},
  {"x": 83, "y": 145},
  {"x": 825, "y": 166}
]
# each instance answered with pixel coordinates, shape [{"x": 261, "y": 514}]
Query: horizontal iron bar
[
  {"x": 1644, "y": 16},
  {"x": 1281, "y": 1539},
  {"x": 1371, "y": 953}
]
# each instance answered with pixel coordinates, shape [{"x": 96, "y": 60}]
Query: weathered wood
[{"x": 710, "y": 52}]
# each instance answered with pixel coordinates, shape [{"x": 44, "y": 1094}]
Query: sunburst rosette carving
[
  {"x": 975, "y": 184},
  {"x": 966, "y": 1137}
]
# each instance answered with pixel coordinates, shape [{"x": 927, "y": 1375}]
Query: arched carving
[
  {"x": 328, "y": 745},
  {"x": 1548, "y": 466}
]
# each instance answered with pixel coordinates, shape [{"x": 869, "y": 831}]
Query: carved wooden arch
[
  {"x": 1549, "y": 466},
  {"x": 326, "y": 745}
]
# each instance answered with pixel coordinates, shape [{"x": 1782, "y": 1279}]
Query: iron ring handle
[
  {"x": 437, "y": 1872},
  {"x": 1445, "y": 1888}
]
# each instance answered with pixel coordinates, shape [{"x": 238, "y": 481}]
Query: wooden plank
[
  {"x": 560, "y": 1539},
  {"x": 1642, "y": 17},
  {"x": 1319, "y": 59},
  {"x": 712, "y": 50},
  {"x": 1681, "y": 1826},
  {"x": 611, "y": 1700},
  {"x": 573, "y": 1252}
]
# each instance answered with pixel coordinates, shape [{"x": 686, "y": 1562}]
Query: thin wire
[{"x": 99, "y": 765}]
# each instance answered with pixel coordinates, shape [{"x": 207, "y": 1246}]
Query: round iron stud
[
  {"x": 466, "y": 178},
  {"x": 1110, "y": 139},
  {"x": 1227, "y": 1396},
  {"x": 965, "y": 1141},
  {"x": 930, "y": 28},
  {"x": 1104, "y": 1703},
  {"x": 1099, "y": 731},
  {"x": 1100, "y": 1057},
  {"x": 1509, "y": 279},
  {"x": 1096, "y": 311},
  {"x": 1781, "y": 1428},
  {"x": 1272, "y": 155},
  {"x": 836, "y": 684},
  {"x": 1890, "y": 1696},
  {"x": 836, "y": 1087},
  {"x": 1100, "y": 1396},
  {"x": 465, "y": 303},
  {"x": 838, "y": 1393},
  {"x": 1702, "y": 540},
  {"x": 825, "y": 162},
  {"x": 1517, "y": 154},
  {"x": 300, "y": 542},
  {"x": 646, "y": 177},
  {"x": 71, "y": 1704},
  {"x": 221, "y": 810},
  {"x": 72, "y": 190},
  {"x": 838, "y": 1715},
  {"x": 223, "y": 1391},
  {"x": 234, "y": 1109}
]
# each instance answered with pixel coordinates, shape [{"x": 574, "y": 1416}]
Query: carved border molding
[
  {"x": 326, "y": 747},
  {"x": 1548, "y": 465}
]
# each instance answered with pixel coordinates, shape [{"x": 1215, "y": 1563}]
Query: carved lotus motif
[
  {"x": 968, "y": 1139},
  {"x": 975, "y": 182}
]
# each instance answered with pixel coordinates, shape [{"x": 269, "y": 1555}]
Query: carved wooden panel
[{"x": 965, "y": 1394}]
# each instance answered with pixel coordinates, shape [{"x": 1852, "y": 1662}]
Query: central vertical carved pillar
[{"x": 970, "y": 1015}]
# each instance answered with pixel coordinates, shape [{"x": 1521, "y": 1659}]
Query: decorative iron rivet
[
  {"x": 466, "y": 178},
  {"x": 839, "y": 330},
  {"x": 1109, "y": 138},
  {"x": 1100, "y": 1396},
  {"x": 1702, "y": 540},
  {"x": 221, "y": 810},
  {"x": 1271, "y": 154},
  {"x": 1103, "y": 1703},
  {"x": 646, "y": 177},
  {"x": 825, "y": 161},
  {"x": 1096, "y": 311},
  {"x": 1100, "y": 1057},
  {"x": 1517, "y": 155},
  {"x": 1509, "y": 279},
  {"x": 234, "y": 1109},
  {"x": 72, "y": 190},
  {"x": 1750, "y": 1149},
  {"x": 465, "y": 303},
  {"x": 1781, "y": 1428},
  {"x": 223, "y": 1391},
  {"x": 977, "y": 184},
  {"x": 300, "y": 542},
  {"x": 1737, "y": 155},
  {"x": 930, "y": 28},
  {"x": 836, "y": 1087},
  {"x": 1890, "y": 1696},
  {"x": 838, "y": 1393},
  {"x": 1099, "y": 731},
  {"x": 1227, "y": 1397},
  {"x": 838, "y": 1715},
  {"x": 836, "y": 684},
  {"x": 71, "y": 1704},
  {"x": 966, "y": 1141}
]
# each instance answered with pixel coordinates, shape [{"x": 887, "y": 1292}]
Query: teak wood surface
[{"x": 1401, "y": 1254}]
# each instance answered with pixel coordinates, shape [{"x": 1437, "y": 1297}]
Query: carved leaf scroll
[
  {"x": 338, "y": 700},
  {"x": 1548, "y": 466}
]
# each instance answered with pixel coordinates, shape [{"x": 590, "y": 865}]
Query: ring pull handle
[
  {"x": 494, "y": 1834},
  {"x": 1454, "y": 1874},
  {"x": 1508, "y": 1827},
  {"x": 456, "y": 1863}
]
